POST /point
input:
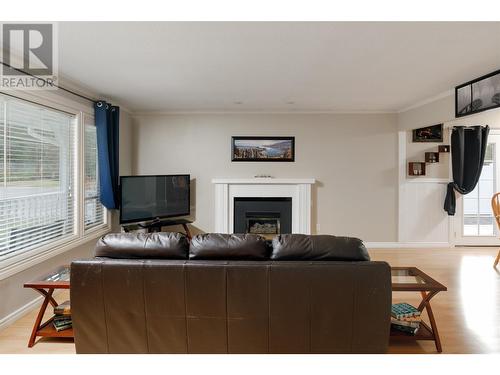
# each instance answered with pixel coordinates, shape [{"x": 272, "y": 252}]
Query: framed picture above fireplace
[{"x": 262, "y": 148}]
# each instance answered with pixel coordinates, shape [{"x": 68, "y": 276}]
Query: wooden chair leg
[{"x": 497, "y": 260}]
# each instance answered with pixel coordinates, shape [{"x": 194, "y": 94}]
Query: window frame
[
  {"x": 106, "y": 212},
  {"x": 25, "y": 259}
]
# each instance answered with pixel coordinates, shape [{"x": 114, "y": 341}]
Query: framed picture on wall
[
  {"x": 433, "y": 133},
  {"x": 478, "y": 95},
  {"x": 262, "y": 148}
]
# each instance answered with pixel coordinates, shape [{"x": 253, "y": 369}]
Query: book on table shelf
[
  {"x": 62, "y": 324},
  {"x": 63, "y": 309},
  {"x": 405, "y": 318},
  {"x": 62, "y": 318},
  {"x": 404, "y": 310},
  {"x": 62, "y": 327},
  {"x": 409, "y": 330},
  {"x": 405, "y": 323}
]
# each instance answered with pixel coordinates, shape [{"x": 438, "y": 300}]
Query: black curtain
[
  {"x": 468, "y": 147},
  {"x": 107, "y": 121}
]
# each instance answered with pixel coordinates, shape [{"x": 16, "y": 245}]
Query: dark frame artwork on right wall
[
  {"x": 478, "y": 95},
  {"x": 433, "y": 133}
]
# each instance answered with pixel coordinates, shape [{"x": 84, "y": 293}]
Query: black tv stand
[{"x": 157, "y": 224}]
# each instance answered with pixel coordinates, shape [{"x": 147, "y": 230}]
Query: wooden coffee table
[
  {"x": 57, "y": 279},
  {"x": 411, "y": 279}
]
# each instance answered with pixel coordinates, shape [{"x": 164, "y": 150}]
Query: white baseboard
[
  {"x": 19, "y": 313},
  {"x": 407, "y": 245}
]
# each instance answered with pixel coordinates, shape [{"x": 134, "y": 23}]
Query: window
[
  {"x": 478, "y": 218},
  {"x": 37, "y": 176},
  {"x": 94, "y": 210}
]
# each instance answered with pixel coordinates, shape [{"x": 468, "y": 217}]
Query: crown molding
[
  {"x": 428, "y": 100},
  {"x": 79, "y": 88},
  {"x": 257, "y": 112}
]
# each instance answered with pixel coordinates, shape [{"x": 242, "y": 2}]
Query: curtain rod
[
  {"x": 471, "y": 127},
  {"x": 53, "y": 84}
]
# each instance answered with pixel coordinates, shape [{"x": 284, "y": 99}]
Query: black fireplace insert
[{"x": 265, "y": 216}]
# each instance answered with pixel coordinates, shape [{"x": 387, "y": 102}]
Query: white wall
[
  {"x": 353, "y": 157},
  {"x": 434, "y": 112}
]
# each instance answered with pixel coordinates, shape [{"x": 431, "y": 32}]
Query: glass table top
[
  {"x": 406, "y": 276},
  {"x": 61, "y": 274},
  {"x": 58, "y": 278},
  {"x": 413, "y": 279}
]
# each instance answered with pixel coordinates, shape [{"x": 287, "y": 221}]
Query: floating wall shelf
[
  {"x": 417, "y": 168},
  {"x": 432, "y": 157}
]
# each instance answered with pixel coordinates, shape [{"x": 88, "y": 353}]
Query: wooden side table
[
  {"x": 411, "y": 279},
  {"x": 57, "y": 279}
]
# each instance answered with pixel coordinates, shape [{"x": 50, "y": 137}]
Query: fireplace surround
[{"x": 295, "y": 189}]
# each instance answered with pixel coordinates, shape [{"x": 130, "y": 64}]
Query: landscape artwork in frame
[
  {"x": 478, "y": 95},
  {"x": 263, "y": 149},
  {"x": 433, "y": 133}
]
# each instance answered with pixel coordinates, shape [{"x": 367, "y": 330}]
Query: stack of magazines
[
  {"x": 405, "y": 318},
  {"x": 62, "y": 318}
]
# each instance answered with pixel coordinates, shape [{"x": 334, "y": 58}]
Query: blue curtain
[{"x": 107, "y": 118}]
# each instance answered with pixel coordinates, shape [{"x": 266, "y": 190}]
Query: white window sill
[{"x": 23, "y": 261}]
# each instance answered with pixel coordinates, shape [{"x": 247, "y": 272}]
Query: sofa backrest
[
  {"x": 163, "y": 245},
  {"x": 218, "y": 246},
  {"x": 228, "y": 247},
  {"x": 186, "y": 306},
  {"x": 318, "y": 247}
]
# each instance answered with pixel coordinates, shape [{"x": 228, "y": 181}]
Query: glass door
[{"x": 477, "y": 226}]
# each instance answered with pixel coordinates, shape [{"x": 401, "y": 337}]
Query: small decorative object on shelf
[
  {"x": 416, "y": 168},
  {"x": 432, "y": 157},
  {"x": 444, "y": 148}
]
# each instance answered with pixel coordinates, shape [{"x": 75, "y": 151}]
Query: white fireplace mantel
[{"x": 299, "y": 189}]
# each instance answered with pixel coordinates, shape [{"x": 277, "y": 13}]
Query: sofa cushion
[
  {"x": 162, "y": 245},
  {"x": 228, "y": 246},
  {"x": 320, "y": 247}
]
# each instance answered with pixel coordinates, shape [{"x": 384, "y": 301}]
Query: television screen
[{"x": 150, "y": 197}]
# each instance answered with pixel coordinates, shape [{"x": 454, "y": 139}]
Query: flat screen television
[{"x": 145, "y": 198}]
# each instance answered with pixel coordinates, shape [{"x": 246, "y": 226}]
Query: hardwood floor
[
  {"x": 14, "y": 339},
  {"x": 467, "y": 314}
]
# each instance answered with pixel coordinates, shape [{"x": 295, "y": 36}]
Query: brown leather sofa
[{"x": 156, "y": 293}]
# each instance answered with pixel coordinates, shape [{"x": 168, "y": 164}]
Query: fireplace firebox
[
  {"x": 264, "y": 216},
  {"x": 266, "y": 223}
]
